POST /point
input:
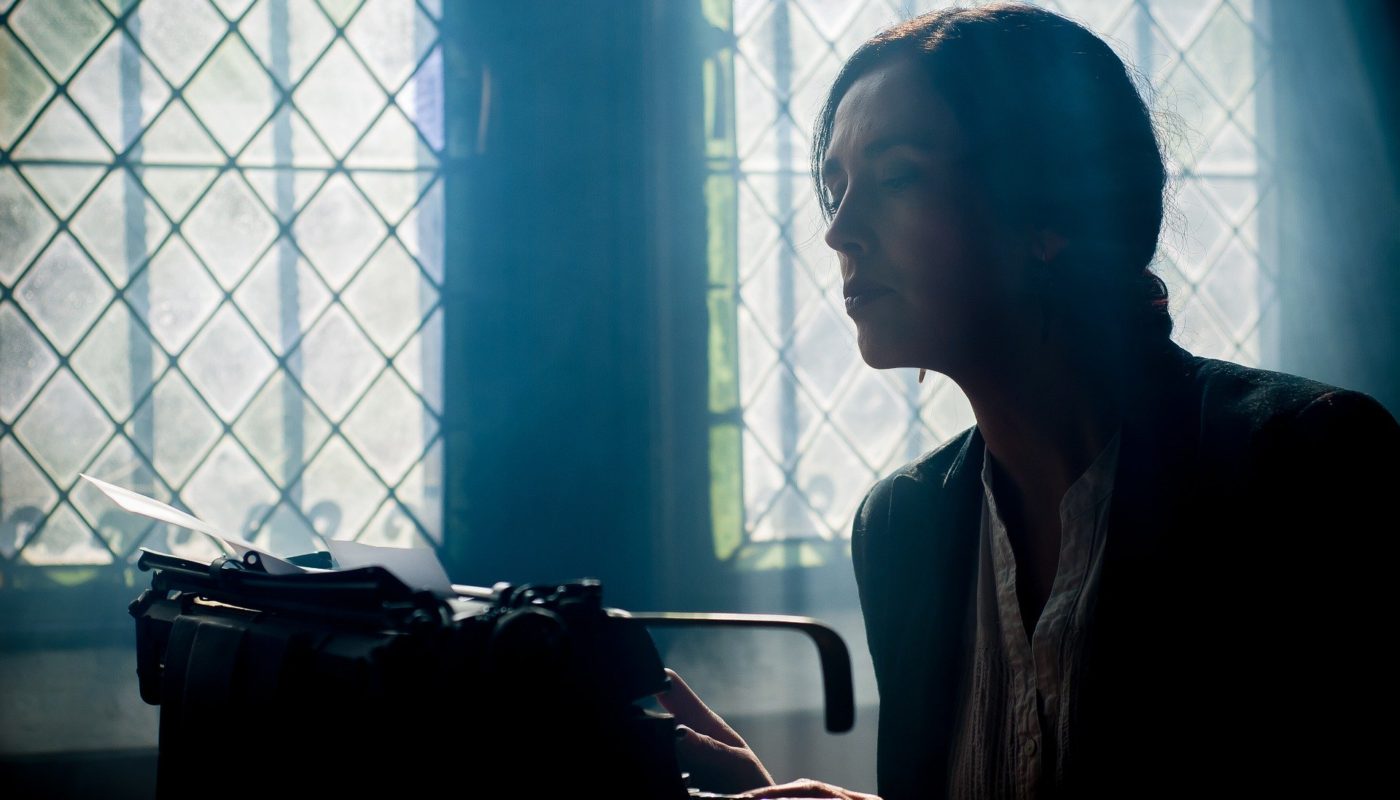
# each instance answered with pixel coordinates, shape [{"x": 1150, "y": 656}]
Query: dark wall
[
  {"x": 575, "y": 213},
  {"x": 1339, "y": 207}
]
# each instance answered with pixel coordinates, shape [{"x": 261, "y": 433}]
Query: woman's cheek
[{"x": 935, "y": 259}]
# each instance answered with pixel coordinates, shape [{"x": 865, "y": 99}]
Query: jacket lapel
[{"x": 938, "y": 516}]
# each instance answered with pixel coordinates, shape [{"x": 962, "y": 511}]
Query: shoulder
[
  {"x": 1235, "y": 398},
  {"x": 1227, "y": 388},
  {"x": 1269, "y": 423},
  {"x": 927, "y": 474}
]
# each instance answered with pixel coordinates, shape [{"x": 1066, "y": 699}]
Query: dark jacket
[{"x": 1236, "y": 646}]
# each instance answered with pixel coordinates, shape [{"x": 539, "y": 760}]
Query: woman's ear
[{"x": 1046, "y": 244}]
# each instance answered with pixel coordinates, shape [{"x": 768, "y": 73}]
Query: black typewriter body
[{"x": 351, "y": 684}]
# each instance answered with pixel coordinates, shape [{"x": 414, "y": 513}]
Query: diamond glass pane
[
  {"x": 339, "y": 492},
  {"x": 176, "y": 35},
  {"x": 386, "y": 294},
  {"x": 335, "y": 363},
  {"x": 288, "y": 37},
  {"x": 230, "y": 228},
  {"x": 99, "y": 90},
  {"x": 64, "y": 539},
  {"x": 389, "y": 438},
  {"x": 173, "y": 295},
  {"x": 26, "y": 224},
  {"x": 63, "y": 293},
  {"x": 119, "y": 361},
  {"x": 227, "y": 363},
  {"x": 279, "y": 316},
  {"x": 26, "y": 496},
  {"x": 61, "y": 133},
  {"x": 63, "y": 186},
  {"x": 340, "y": 98},
  {"x": 177, "y": 137},
  {"x": 60, "y": 33},
  {"x": 177, "y": 188},
  {"x": 232, "y": 94},
  {"x": 178, "y": 220},
  {"x": 23, "y": 88},
  {"x": 818, "y": 425},
  {"x": 63, "y": 427},
  {"x": 280, "y": 427},
  {"x": 117, "y": 528},
  {"x": 26, "y": 361},
  {"x": 174, "y": 427},
  {"x": 391, "y": 37},
  {"x": 338, "y": 230},
  {"x": 119, "y": 247}
]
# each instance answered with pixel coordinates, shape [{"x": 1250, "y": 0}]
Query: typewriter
[{"x": 350, "y": 682}]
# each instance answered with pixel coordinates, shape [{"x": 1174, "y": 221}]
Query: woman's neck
[{"x": 1047, "y": 411}]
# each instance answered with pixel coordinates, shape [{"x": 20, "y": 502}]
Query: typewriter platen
[{"x": 351, "y": 682}]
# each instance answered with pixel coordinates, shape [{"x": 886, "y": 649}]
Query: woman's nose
[{"x": 846, "y": 234}]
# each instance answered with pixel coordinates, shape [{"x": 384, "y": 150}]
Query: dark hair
[{"x": 1061, "y": 140}]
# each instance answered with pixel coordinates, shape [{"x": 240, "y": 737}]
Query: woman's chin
[{"x": 880, "y": 357}]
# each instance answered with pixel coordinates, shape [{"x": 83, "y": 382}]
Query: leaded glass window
[
  {"x": 800, "y": 426},
  {"x": 223, "y": 228}
]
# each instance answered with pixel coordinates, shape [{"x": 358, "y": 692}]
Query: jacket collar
[
  {"x": 1157, "y": 393},
  {"x": 1157, "y": 453}
]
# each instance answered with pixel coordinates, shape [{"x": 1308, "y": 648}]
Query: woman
[{"x": 1141, "y": 572}]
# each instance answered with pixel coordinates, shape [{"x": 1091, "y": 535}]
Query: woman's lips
[{"x": 865, "y": 298}]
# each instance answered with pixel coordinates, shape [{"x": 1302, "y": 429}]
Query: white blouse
[{"x": 1016, "y": 720}]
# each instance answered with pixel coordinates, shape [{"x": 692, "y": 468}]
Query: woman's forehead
[{"x": 890, "y": 103}]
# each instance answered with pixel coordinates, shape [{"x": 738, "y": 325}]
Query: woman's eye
[
  {"x": 899, "y": 180},
  {"x": 833, "y": 202}
]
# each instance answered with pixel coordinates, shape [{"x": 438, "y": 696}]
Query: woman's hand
[
  {"x": 716, "y": 757},
  {"x": 808, "y": 788}
]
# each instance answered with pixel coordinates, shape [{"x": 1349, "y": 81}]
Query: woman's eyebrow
[
  {"x": 884, "y": 143},
  {"x": 832, "y": 165}
]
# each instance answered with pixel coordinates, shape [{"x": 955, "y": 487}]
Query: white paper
[
  {"x": 154, "y": 509},
  {"x": 418, "y": 568}
]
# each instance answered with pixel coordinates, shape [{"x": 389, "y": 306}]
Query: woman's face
[{"x": 923, "y": 282}]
